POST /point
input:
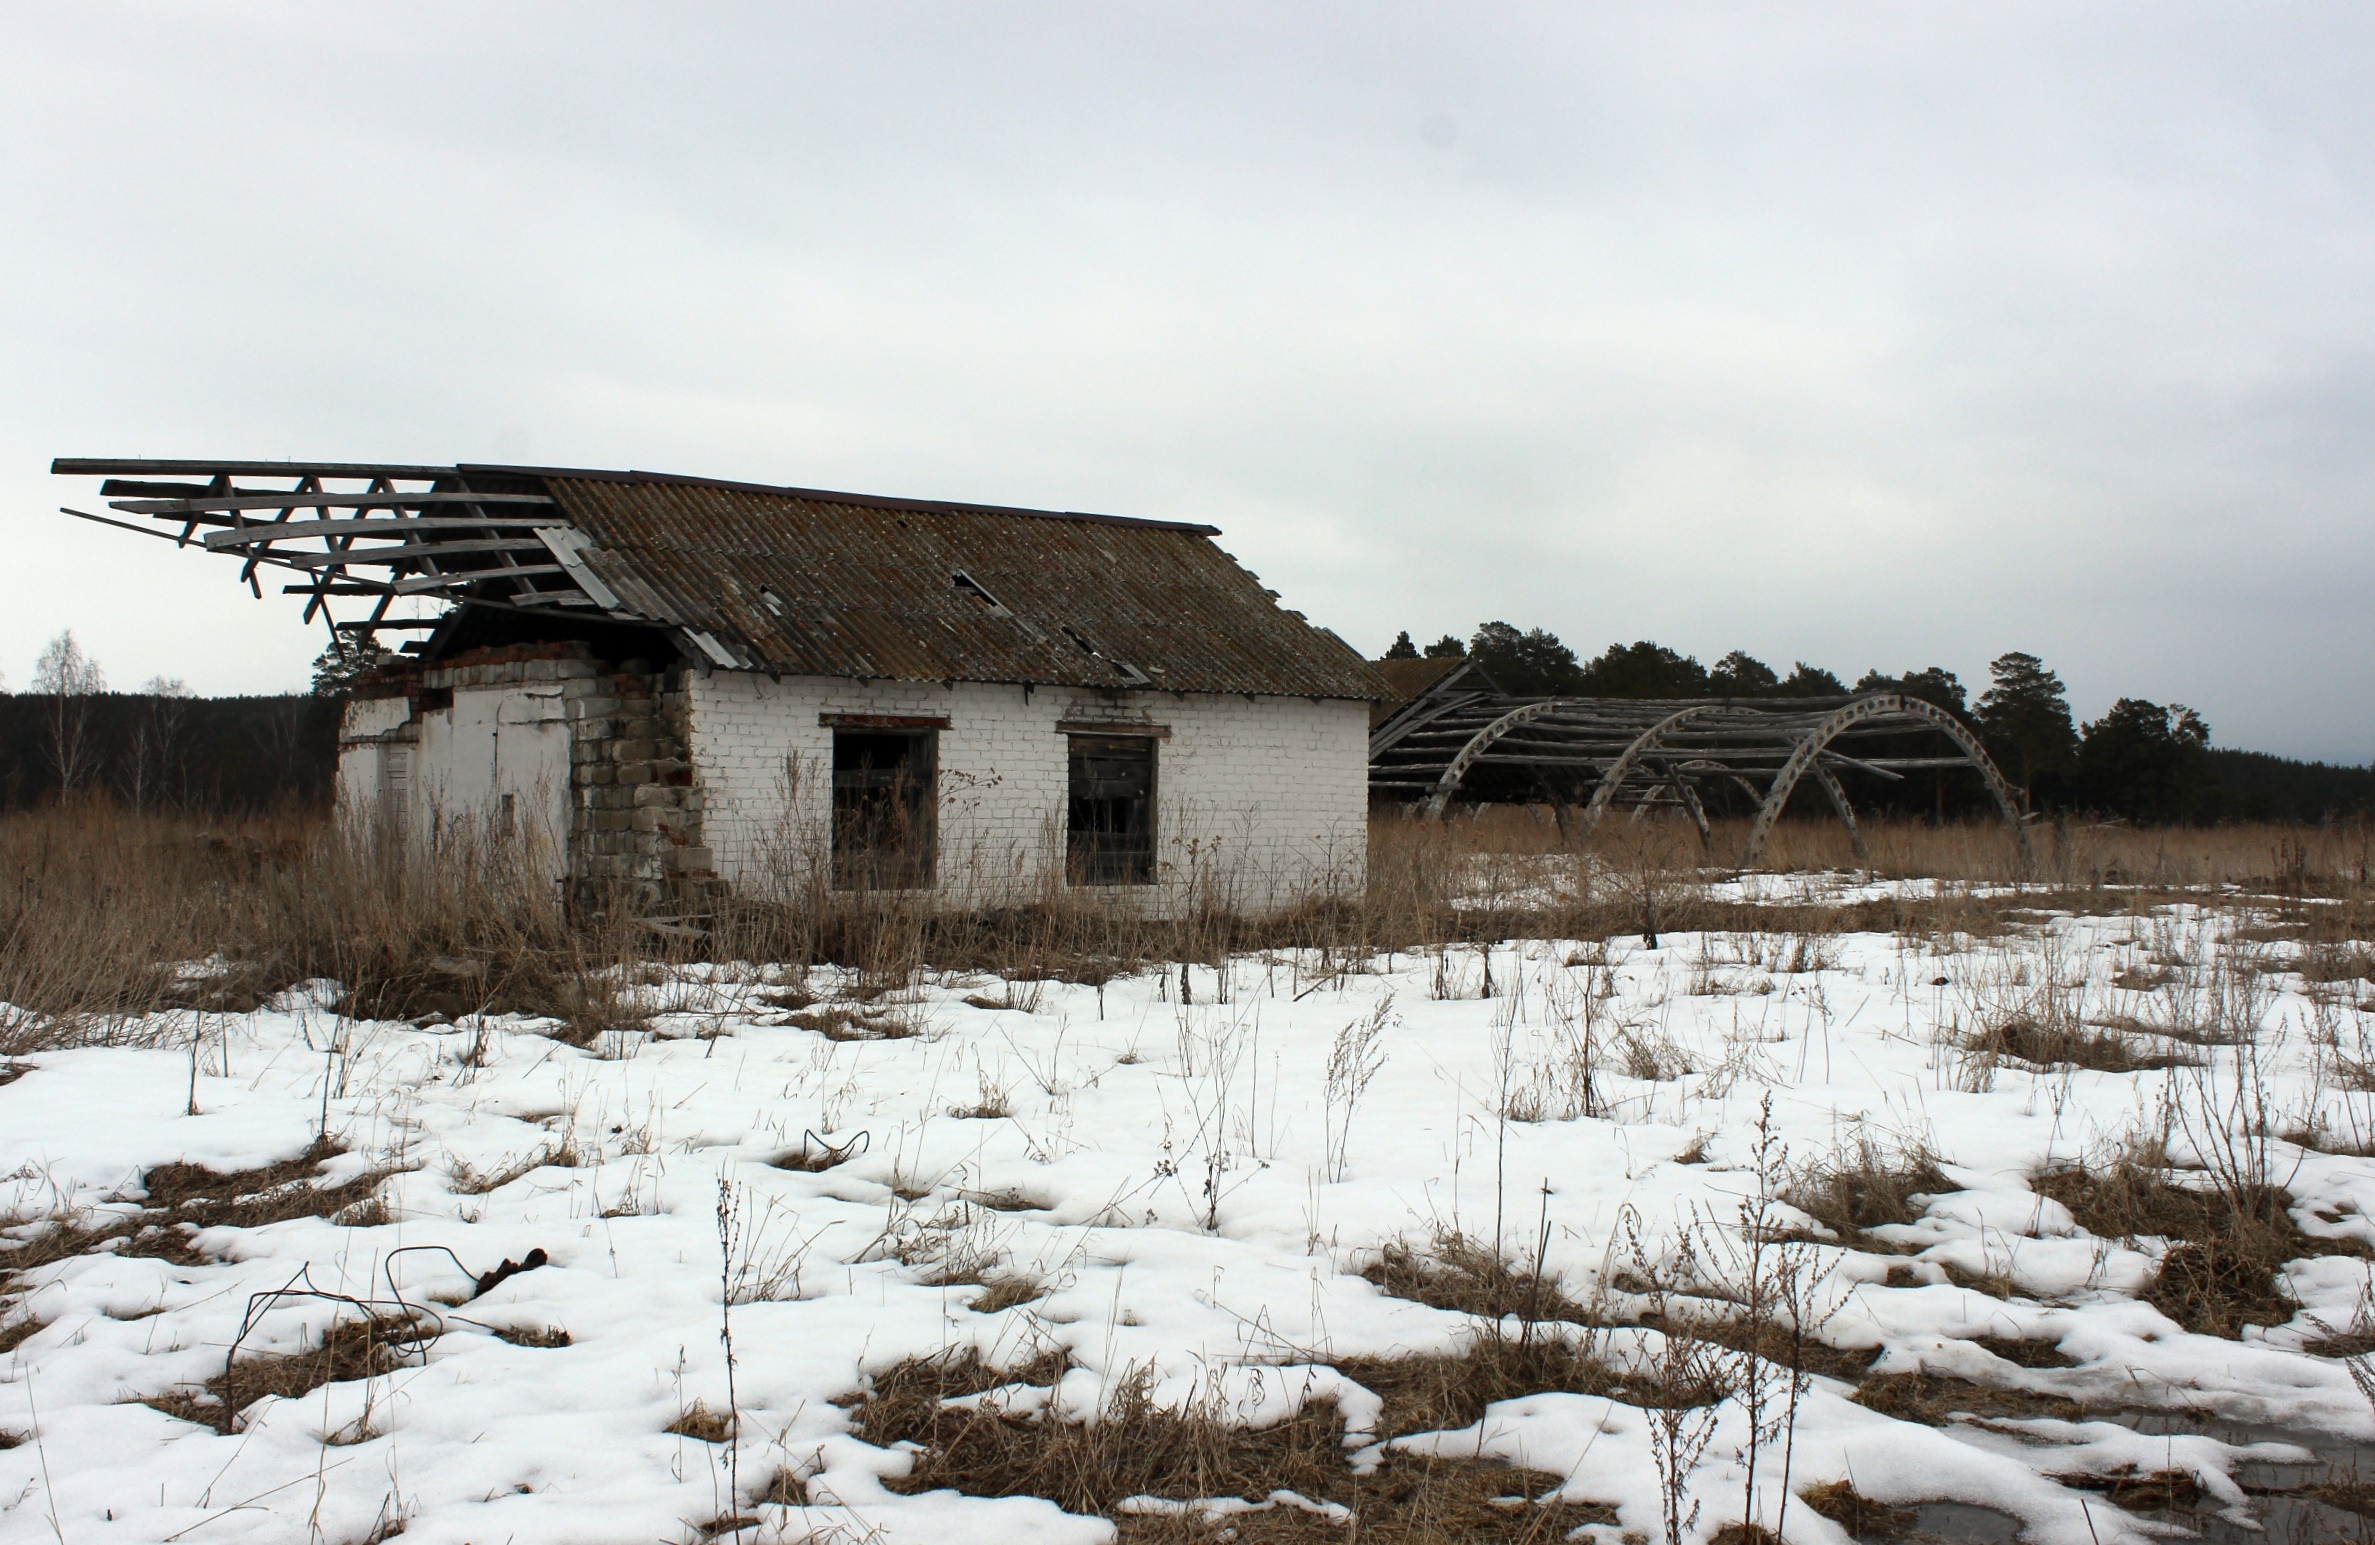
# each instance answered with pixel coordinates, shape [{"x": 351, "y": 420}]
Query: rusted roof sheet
[{"x": 827, "y": 584}]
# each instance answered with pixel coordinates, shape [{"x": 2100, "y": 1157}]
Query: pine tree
[
  {"x": 350, "y": 657},
  {"x": 1811, "y": 681},
  {"x": 1741, "y": 674},
  {"x": 2025, "y": 720},
  {"x": 1403, "y": 648},
  {"x": 1528, "y": 663},
  {"x": 2149, "y": 763},
  {"x": 1446, "y": 648},
  {"x": 1644, "y": 669}
]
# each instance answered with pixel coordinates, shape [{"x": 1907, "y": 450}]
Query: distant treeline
[
  {"x": 2151, "y": 763},
  {"x": 168, "y": 750},
  {"x": 2147, "y": 762}
]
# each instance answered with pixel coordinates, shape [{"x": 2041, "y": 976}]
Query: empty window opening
[
  {"x": 883, "y": 807},
  {"x": 1110, "y": 831}
]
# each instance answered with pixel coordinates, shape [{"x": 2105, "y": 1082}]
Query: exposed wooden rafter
[{"x": 363, "y": 531}]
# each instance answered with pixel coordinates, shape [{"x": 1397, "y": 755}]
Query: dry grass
[
  {"x": 1858, "y": 1514},
  {"x": 93, "y": 898},
  {"x": 1462, "y": 1275},
  {"x": 2351, "y": 1496},
  {"x": 273, "y": 1193},
  {"x": 2174, "y": 1491},
  {"x": 352, "y": 1349},
  {"x": 181, "y": 1199},
  {"x": 698, "y": 1422},
  {"x": 1136, "y": 1448},
  {"x": 1007, "y": 1291},
  {"x": 545, "y": 1337},
  {"x": 1867, "y": 1186},
  {"x": 840, "y": 1023},
  {"x": 2061, "y": 1042},
  {"x": 1932, "y": 1399},
  {"x": 2226, "y": 1247},
  {"x": 465, "y": 1180}
]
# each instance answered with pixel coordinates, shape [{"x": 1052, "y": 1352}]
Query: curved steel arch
[
  {"x": 1879, "y": 704},
  {"x": 1622, "y": 767},
  {"x": 1830, "y": 785},
  {"x": 1478, "y": 744}
]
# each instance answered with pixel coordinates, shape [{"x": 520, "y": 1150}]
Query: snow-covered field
[{"x": 1172, "y": 1175}]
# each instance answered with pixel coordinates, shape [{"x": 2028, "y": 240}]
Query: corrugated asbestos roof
[{"x": 804, "y": 582}]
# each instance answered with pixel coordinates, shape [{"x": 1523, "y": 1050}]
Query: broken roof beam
[
  {"x": 429, "y": 583},
  {"x": 312, "y": 499},
  {"x": 400, "y": 553},
  {"x": 241, "y": 536},
  {"x": 105, "y": 466}
]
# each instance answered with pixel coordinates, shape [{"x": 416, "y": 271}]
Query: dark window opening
[
  {"x": 1110, "y": 836},
  {"x": 883, "y": 809}
]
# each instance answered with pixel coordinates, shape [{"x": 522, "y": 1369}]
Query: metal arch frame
[
  {"x": 1831, "y": 786},
  {"x": 1809, "y": 752},
  {"x": 1810, "y": 747},
  {"x": 1476, "y": 747},
  {"x": 1622, "y": 767}
]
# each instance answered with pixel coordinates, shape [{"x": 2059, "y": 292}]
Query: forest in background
[
  {"x": 2145, "y": 762},
  {"x": 161, "y": 747}
]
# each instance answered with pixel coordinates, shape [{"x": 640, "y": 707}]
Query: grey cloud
[{"x": 1867, "y": 335}]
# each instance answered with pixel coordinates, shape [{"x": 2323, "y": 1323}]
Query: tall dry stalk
[{"x": 1353, "y": 1061}]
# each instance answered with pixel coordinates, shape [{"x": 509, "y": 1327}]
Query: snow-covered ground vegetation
[{"x": 1803, "y": 1234}]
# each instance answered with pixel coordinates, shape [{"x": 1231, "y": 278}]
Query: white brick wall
[
  {"x": 495, "y": 754},
  {"x": 1264, "y": 797}
]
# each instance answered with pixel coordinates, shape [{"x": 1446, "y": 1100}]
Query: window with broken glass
[
  {"x": 1110, "y": 836},
  {"x": 883, "y": 807}
]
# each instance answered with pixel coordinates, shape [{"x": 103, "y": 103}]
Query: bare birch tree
[{"x": 69, "y": 678}]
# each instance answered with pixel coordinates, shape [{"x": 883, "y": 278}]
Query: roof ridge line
[{"x": 835, "y": 496}]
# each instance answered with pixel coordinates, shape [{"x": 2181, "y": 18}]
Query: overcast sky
[{"x": 1871, "y": 336}]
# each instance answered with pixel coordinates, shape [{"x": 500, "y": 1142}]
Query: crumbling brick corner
[{"x": 635, "y": 810}]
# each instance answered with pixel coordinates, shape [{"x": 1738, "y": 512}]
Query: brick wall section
[
  {"x": 1259, "y": 800},
  {"x": 636, "y": 814},
  {"x": 686, "y": 776}
]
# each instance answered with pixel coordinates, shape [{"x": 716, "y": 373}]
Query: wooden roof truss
[{"x": 350, "y": 531}]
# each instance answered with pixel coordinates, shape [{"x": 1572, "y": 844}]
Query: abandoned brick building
[{"x": 671, "y": 678}]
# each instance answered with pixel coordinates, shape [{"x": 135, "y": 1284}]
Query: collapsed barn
[
  {"x": 673, "y": 680},
  {"x": 1449, "y": 736}
]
